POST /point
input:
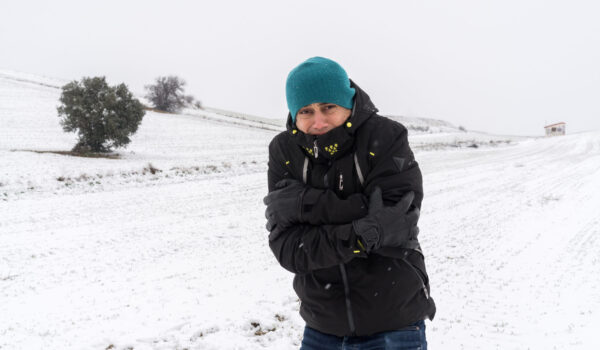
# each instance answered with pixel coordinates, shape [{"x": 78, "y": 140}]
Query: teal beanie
[{"x": 318, "y": 80}]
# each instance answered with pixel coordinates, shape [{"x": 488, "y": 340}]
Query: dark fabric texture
[
  {"x": 284, "y": 204},
  {"x": 293, "y": 202},
  {"x": 343, "y": 290}
]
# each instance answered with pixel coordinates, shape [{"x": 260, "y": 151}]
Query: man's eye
[{"x": 329, "y": 108}]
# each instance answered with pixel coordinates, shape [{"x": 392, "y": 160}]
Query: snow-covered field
[{"x": 165, "y": 247}]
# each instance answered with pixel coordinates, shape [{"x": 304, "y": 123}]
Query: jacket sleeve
[
  {"x": 393, "y": 167},
  {"x": 319, "y": 243},
  {"x": 325, "y": 207},
  {"x": 304, "y": 248},
  {"x": 319, "y": 206}
]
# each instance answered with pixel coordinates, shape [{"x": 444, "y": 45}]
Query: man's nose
[{"x": 320, "y": 120}]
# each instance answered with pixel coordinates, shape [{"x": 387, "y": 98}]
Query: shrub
[
  {"x": 167, "y": 94},
  {"x": 103, "y": 116}
]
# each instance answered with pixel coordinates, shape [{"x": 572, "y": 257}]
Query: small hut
[{"x": 555, "y": 129}]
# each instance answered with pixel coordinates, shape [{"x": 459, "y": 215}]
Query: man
[{"x": 342, "y": 210}]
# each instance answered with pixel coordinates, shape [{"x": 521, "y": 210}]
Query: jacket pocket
[
  {"x": 422, "y": 277},
  {"x": 417, "y": 260}
]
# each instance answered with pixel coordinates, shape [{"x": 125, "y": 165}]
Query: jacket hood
[{"x": 337, "y": 141}]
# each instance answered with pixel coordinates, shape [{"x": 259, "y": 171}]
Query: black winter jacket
[{"x": 342, "y": 290}]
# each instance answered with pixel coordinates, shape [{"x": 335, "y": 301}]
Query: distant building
[{"x": 555, "y": 129}]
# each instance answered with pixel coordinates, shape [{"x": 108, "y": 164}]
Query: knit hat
[{"x": 316, "y": 80}]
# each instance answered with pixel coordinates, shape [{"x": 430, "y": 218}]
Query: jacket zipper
[
  {"x": 348, "y": 304},
  {"x": 423, "y": 286},
  {"x": 316, "y": 148},
  {"x": 341, "y": 182}
]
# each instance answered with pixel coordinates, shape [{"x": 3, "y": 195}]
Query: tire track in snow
[
  {"x": 490, "y": 253},
  {"x": 176, "y": 236}
]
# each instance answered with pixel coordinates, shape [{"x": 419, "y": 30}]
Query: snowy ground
[{"x": 110, "y": 254}]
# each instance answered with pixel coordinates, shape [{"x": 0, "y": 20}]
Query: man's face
[{"x": 319, "y": 118}]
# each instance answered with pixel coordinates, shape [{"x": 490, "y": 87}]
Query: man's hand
[
  {"x": 284, "y": 204},
  {"x": 387, "y": 226}
]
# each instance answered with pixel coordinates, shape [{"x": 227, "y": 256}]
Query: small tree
[
  {"x": 167, "y": 94},
  {"x": 103, "y": 116}
]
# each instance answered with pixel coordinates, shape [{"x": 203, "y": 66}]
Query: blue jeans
[{"x": 408, "y": 338}]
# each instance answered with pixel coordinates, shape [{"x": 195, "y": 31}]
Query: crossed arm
[{"x": 313, "y": 228}]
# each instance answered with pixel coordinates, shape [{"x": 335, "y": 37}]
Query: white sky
[{"x": 496, "y": 66}]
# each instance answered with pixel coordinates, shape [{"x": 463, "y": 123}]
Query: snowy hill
[
  {"x": 425, "y": 125},
  {"x": 165, "y": 247},
  {"x": 12, "y": 76}
]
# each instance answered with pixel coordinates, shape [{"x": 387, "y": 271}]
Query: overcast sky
[{"x": 505, "y": 67}]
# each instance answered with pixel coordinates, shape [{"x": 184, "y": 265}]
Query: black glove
[
  {"x": 387, "y": 226},
  {"x": 284, "y": 204}
]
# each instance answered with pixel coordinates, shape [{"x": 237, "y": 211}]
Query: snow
[{"x": 165, "y": 247}]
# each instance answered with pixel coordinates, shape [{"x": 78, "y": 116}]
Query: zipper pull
[
  {"x": 341, "y": 183},
  {"x": 316, "y": 149}
]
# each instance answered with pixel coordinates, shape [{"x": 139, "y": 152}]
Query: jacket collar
[{"x": 338, "y": 141}]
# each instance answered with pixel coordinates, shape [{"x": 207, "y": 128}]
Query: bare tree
[{"x": 167, "y": 94}]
